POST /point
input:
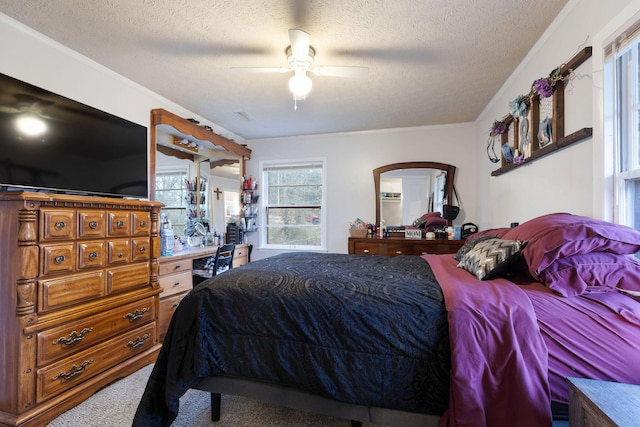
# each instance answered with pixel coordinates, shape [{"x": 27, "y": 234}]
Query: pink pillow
[
  {"x": 495, "y": 232},
  {"x": 559, "y": 235},
  {"x": 572, "y": 275},
  {"x": 430, "y": 215}
]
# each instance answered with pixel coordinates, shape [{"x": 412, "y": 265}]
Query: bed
[{"x": 486, "y": 336}]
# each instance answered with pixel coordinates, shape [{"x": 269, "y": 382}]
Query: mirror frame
[{"x": 449, "y": 169}]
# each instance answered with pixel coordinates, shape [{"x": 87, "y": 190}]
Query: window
[
  {"x": 294, "y": 198},
  {"x": 171, "y": 189},
  {"x": 622, "y": 106}
]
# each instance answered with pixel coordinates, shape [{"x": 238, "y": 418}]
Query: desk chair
[{"x": 223, "y": 260}]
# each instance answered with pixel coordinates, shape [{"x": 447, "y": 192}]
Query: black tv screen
[{"x": 79, "y": 149}]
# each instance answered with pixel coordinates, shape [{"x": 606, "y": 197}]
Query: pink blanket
[{"x": 498, "y": 357}]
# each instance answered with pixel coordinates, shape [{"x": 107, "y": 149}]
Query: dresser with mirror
[{"x": 404, "y": 192}]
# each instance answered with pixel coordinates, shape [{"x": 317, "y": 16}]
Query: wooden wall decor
[{"x": 539, "y": 109}]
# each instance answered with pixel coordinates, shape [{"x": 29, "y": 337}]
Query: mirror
[
  {"x": 184, "y": 144},
  {"x": 405, "y": 191}
]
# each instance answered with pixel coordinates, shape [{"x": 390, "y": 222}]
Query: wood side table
[{"x": 602, "y": 403}]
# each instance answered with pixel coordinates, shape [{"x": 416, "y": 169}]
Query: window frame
[
  {"x": 622, "y": 123},
  {"x": 265, "y": 166}
]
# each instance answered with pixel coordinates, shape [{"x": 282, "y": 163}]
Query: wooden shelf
[
  {"x": 564, "y": 142},
  {"x": 184, "y": 126}
]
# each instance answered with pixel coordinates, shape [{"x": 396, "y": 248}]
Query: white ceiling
[{"x": 430, "y": 61}]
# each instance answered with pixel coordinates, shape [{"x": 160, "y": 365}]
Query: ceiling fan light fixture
[{"x": 300, "y": 85}]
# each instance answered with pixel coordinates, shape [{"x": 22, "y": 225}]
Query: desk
[
  {"x": 175, "y": 274},
  {"x": 602, "y": 403}
]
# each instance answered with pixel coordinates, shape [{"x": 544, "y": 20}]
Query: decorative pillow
[
  {"x": 492, "y": 258},
  {"x": 555, "y": 236},
  {"x": 470, "y": 243},
  {"x": 572, "y": 275}
]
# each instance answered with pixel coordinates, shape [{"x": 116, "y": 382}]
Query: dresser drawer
[
  {"x": 57, "y": 224},
  {"x": 70, "y": 372},
  {"x": 140, "y": 223},
  {"x": 68, "y": 290},
  {"x": 118, "y": 223},
  {"x": 67, "y": 339},
  {"x": 58, "y": 258},
  {"x": 119, "y": 251},
  {"x": 167, "y": 308},
  {"x": 366, "y": 248},
  {"x": 176, "y": 283},
  {"x": 91, "y": 254},
  {"x": 395, "y": 249},
  {"x": 174, "y": 266},
  {"x": 437, "y": 247},
  {"x": 140, "y": 250},
  {"x": 127, "y": 277},
  {"x": 91, "y": 224}
]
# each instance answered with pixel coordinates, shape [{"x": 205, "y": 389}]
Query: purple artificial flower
[
  {"x": 498, "y": 128},
  {"x": 544, "y": 87}
]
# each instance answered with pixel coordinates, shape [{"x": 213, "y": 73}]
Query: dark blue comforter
[{"x": 361, "y": 329}]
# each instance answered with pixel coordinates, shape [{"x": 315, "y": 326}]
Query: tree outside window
[{"x": 171, "y": 190}]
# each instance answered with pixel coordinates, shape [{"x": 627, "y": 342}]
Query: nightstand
[{"x": 602, "y": 403}]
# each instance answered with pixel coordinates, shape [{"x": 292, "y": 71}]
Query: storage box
[{"x": 358, "y": 232}]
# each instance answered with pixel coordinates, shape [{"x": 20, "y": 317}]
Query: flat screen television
[{"x": 79, "y": 149}]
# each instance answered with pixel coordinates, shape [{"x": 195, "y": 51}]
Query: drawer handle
[
  {"x": 137, "y": 314},
  {"x": 59, "y": 259},
  {"x": 366, "y": 251},
  {"x": 176, "y": 283},
  {"x": 93, "y": 225},
  {"x": 177, "y": 266},
  {"x": 93, "y": 255},
  {"x": 73, "y": 337},
  {"x": 138, "y": 341},
  {"x": 120, "y": 223},
  {"x": 398, "y": 252},
  {"x": 120, "y": 254},
  {"x": 73, "y": 372},
  {"x": 143, "y": 223},
  {"x": 143, "y": 249},
  {"x": 60, "y": 225}
]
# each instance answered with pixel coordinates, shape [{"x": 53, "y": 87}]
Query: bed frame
[{"x": 296, "y": 399}]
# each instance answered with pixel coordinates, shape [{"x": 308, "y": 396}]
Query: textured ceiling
[{"x": 430, "y": 61}]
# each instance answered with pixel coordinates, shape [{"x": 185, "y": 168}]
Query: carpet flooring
[{"x": 115, "y": 406}]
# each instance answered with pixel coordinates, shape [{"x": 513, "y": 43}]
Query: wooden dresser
[
  {"x": 400, "y": 246},
  {"x": 176, "y": 278},
  {"x": 79, "y": 299}
]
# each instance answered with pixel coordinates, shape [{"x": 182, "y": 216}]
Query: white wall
[
  {"x": 563, "y": 181},
  {"x": 29, "y": 56},
  {"x": 351, "y": 158}
]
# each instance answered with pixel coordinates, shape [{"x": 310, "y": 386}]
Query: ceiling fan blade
[
  {"x": 299, "y": 44},
  {"x": 339, "y": 71},
  {"x": 262, "y": 69}
]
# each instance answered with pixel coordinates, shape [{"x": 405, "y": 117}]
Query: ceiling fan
[{"x": 300, "y": 56}]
